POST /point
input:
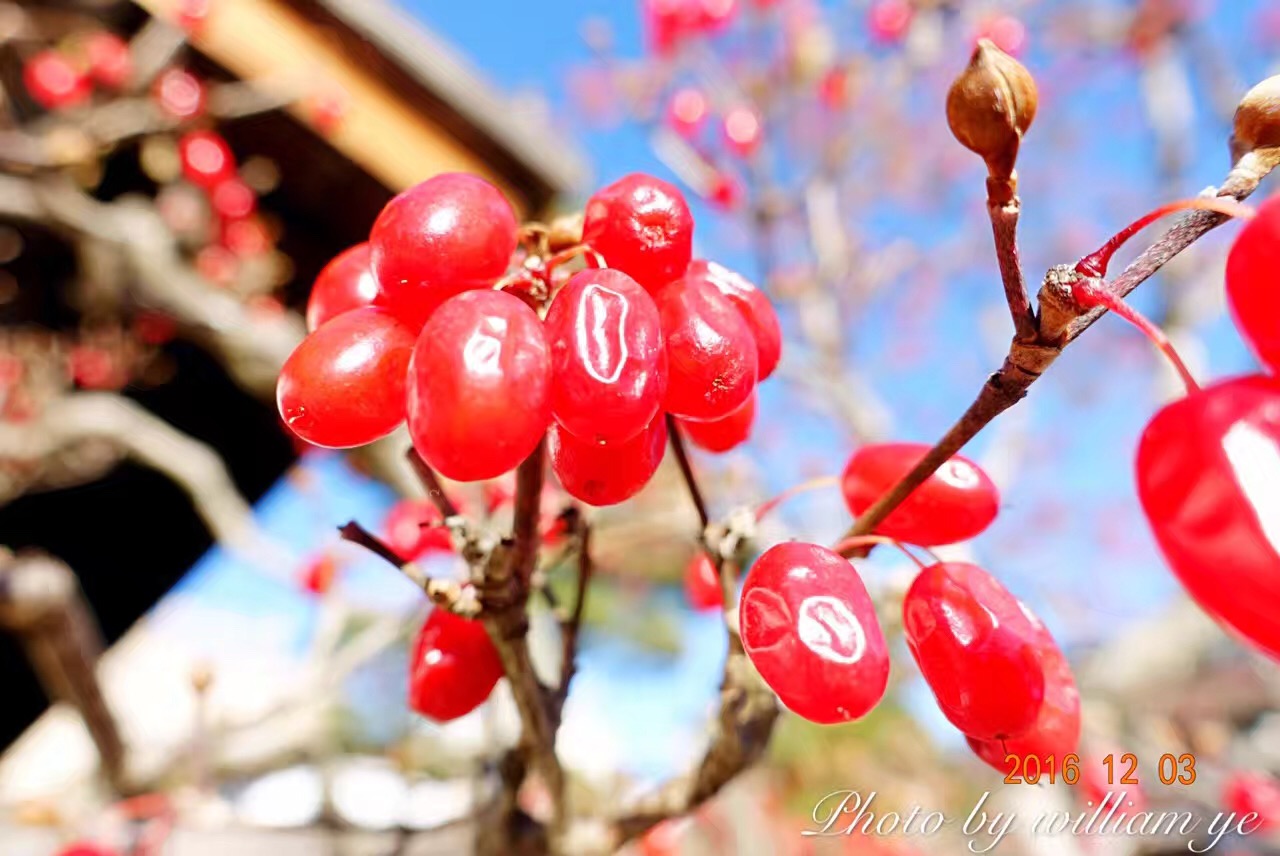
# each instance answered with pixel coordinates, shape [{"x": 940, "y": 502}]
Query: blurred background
[{"x": 154, "y": 508}]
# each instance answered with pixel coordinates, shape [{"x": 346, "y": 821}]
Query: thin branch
[
  {"x": 431, "y": 481},
  {"x": 686, "y": 470},
  {"x": 71, "y": 421},
  {"x": 1004, "y": 227},
  {"x": 444, "y": 593},
  {"x": 572, "y": 626},
  {"x": 1061, "y": 321}
]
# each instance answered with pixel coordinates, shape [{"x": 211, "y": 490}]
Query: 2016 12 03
[{"x": 1120, "y": 770}]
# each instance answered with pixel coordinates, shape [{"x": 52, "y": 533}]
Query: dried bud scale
[{"x": 990, "y": 107}]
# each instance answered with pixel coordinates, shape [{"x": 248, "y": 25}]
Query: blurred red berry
[
  {"x": 110, "y": 62},
  {"x": 180, "y": 94},
  {"x": 702, "y": 584},
  {"x": 54, "y": 82},
  {"x": 889, "y": 20}
]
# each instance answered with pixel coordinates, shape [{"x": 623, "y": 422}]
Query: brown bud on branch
[
  {"x": 990, "y": 106},
  {"x": 1257, "y": 122}
]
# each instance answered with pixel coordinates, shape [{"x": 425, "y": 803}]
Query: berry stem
[
  {"x": 1095, "y": 264},
  {"x": 431, "y": 481},
  {"x": 818, "y": 483},
  {"x": 1090, "y": 293},
  {"x": 854, "y": 541},
  {"x": 686, "y": 470},
  {"x": 447, "y": 594}
]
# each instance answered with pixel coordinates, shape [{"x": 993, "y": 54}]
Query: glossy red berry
[
  {"x": 722, "y": 434},
  {"x": 642, "y": 226},
  {"x": 606, "y": 475},
  {"x": 754, "y": 306},
  {"x": 810, "y": 628},
  {"x": 1246, "y": 792},
  {"x": 712, "y": 356},
  {"x": 54, "y": 82},
  {"x": 1056, "y": 732},
  {"x": 975, "y": 649},
  {"x": 206, "y": 159},
  {"x": 608, "y": 362},
  {"x": 344, "y": 385},
  {"x": 451, "y": 233},
  {"x": 453, "y": 667},
  {"x": 702, "y": 584},
  {"x": 415, "y": 527},
  {"x": 180, "y": 94},
  {"x": 110, "y": 62},
  {"x": 954, "y": 504},
  {"x": 347, "y": 282},
  {"x": 480, "y": 386},
  {"x": 1207, "y": 468},
  {"x": 743, "y": 131},
  {"x": 1251, "y": 283}
]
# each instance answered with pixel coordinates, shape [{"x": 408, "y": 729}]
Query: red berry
[
  {"x": 1207, "y": 468},
  {"x": 889, "y": 20},
  {"x": 811, "y": 631},
  {"x": 217, "y": 264},
  {"x": 232, "y": 199},
  {"x": 722, "y": 434},
  {"x": 715, "y": 15},
  {"x": 954, "y": 504},
  {"x": 453, "y": 668},
  {"x": 347, "y": 282},
  {"x": 754, "y": 306},
  {"x": 479, "y": 386},
  {"x": 725, "y": 191},
  {"x": 668, "y": 23},
  {"x": 192, "y": 14},
  {"x": 246, "y": 237},
  {"x": 449, "y": 234},
  {"x": 54, "y": 82},
  {"x": 1251, "y": 280},
  {"x": 702, "y": 584},
  {"x": 110, "y": 62},
  {"x": 608, "y": 363},
  {"x": 606, "y": 475},
  {"x": 1247, "y": 792},
  {"x": 415, "y": 527},
  {"x": 319, "y": 574},
  {"x": 742, "y": 131},
  {"x": 687, "y": 112},
  {"x": 1008, "y": 33},
  {"x": 976, "y": 650},
  {"x": 712, "y": 356},
  {"x": 344, "y": 385},
  {"x": 642, "y": 226},
  {"x": 93, "y": 367},
  {"x": 87, "y": 848},
  {"x": 206, "y": 159},
  {"x": 1056, "y": 732},
  {"x": 180, "y": 94}
]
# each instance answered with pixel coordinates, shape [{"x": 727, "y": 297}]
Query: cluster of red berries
[
  {"x": 410, "y": 325},
  {"x": 810, "y": 627},
  {"x": 60, "y": 79},
  {"x": 1208, "y": 463}
]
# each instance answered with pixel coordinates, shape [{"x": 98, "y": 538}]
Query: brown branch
[
  {"x": 686, "y": 470},
  {"x": 1004, "y": 207},
  {"x": 1060, "y": 322},
  {"x": 572, "y": 625},
  {"x": 431, "y": 481},
  {"x": 444, "y": 593}
]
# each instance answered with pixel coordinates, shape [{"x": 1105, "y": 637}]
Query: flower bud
[
  {"x": 1257, "y": 122},
  {"x": 991, "y": 105}
]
